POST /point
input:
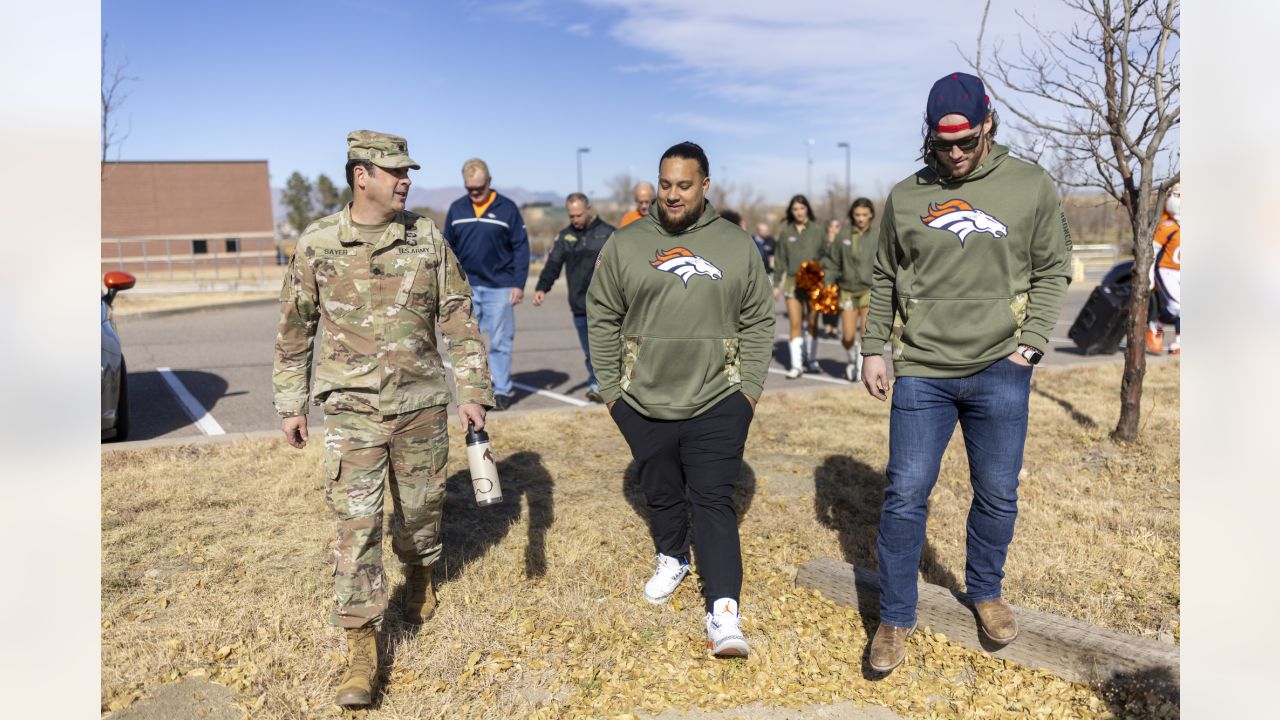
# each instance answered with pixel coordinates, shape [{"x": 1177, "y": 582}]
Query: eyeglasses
[{"x": 965, "y": 144}]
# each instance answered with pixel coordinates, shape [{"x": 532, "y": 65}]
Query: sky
[{"x": 764, "y": 87}]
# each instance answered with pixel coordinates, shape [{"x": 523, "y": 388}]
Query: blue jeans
[
  {"x": 498, "y": 319},
  {"x": 991, "y": 407},
  {"x": 580, "y": 322}
]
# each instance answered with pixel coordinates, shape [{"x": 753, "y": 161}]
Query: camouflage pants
[{"x": 362, "y": 453}]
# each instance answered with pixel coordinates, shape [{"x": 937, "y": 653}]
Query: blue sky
[{"x": 523, "y": 84}]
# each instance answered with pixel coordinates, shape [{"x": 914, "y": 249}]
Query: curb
[
  {"x": 148, "y": 314},
  {"x": 1066, "y": 647}
]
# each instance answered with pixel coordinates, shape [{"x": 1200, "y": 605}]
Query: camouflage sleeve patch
[
  {"x": 299, "y": 315},
  {"x": 461, "y": 332}
]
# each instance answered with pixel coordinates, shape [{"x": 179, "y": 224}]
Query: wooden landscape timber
[{"x": 1068, "y": 648}]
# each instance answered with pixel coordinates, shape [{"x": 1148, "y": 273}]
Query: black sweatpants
[{"x": 702, "y": 455}]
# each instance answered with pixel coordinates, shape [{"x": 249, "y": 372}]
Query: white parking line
[
  {"x": 203, "y": 419},
  {"x": 552, "y": 395},
  {"x": 544, "y": 393},
  {"x": 806, "y": 376}
]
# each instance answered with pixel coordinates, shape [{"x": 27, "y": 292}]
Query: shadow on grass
[
  {"x": 1153, "y": 692},
  {"x": 1080, "y": 418},
  {"x": 848, "y": 497},
  {"x": 468, "y": 531}
]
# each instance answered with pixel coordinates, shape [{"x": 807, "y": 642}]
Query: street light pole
[
  {"x": 848, "y": 189},
  {"x": 808, "y": 180},
  {"x": 580, "y": 151}
]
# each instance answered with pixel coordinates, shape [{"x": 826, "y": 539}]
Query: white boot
[
  {"x": 796, "y": 347},
  {"x": 811, "y": 354}
]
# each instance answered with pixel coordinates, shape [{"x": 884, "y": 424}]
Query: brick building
[{"x": 184, "y": 220}]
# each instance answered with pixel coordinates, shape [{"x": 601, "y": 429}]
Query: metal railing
[{"x": 178, "y": 262}]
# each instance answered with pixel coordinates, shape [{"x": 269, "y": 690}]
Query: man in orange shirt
[
  {"x": 1167, "y": 272},
  {"x": 644, "y": 196}
]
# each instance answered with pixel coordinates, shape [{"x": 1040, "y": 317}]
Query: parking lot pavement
[{"x": 214, "y": 365}]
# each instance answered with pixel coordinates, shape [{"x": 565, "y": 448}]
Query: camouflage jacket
[{"x": 377, "y": 307}]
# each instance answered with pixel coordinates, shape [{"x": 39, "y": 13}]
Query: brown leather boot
[
  {"x": 889, "y": 647},
  {"x": 356, "y": 688},
  {"x": 419, "y": 596},
  {"x": 996, "y": 620}
]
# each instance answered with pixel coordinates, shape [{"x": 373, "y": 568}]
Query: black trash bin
[{"x": 1100, "y": 326}]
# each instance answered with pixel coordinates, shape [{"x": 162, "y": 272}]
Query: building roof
[{"x": 191, "y": 198}]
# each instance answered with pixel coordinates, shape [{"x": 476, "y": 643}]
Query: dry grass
[{"x": 215, "y": 563}]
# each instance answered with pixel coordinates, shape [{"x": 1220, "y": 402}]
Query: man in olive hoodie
[
  {"x": 680, "y": 323},
  {"x": 974, "y": 256}
]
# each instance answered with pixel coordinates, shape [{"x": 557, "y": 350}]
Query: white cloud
[
  {"x": 808, "y": 54},
  {"x": 579, "y": 29},
  {"x": 647, "y": 68}
]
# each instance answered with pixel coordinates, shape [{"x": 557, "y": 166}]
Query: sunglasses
[{"x": 965, "y": 144}]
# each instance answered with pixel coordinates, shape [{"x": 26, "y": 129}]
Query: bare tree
[
  {"x": 1106, "y": 95},
  {"x": 113, "y": 96},
  {"x": 620, "y": 188}
]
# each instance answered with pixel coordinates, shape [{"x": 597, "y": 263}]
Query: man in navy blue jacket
[{"x": 488, "y": 236}]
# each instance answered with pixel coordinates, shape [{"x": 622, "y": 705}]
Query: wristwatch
[{"x": 1030, "y": 354}]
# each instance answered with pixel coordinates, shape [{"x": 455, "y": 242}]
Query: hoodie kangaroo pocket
[
  {"x": 952, "y": 332},
  {"x": 675, "y": 372}
]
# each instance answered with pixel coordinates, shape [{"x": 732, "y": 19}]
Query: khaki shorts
[
  {"x": 850, "y": 300},
  {"x": 789, "y": 290}
]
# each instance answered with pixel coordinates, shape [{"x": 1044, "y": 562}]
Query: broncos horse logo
[
  {"x": 960, "y": 218},
  {"x": 679, "y": 261}
]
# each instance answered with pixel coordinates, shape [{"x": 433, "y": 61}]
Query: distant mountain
[{"x": 439, "y": 198}]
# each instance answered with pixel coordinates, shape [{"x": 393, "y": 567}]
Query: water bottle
[{"x": 484, "y": 471}]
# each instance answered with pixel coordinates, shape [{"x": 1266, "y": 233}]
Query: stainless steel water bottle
[{"x": 484, "y": 471}]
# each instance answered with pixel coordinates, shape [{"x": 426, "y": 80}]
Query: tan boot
[
  {"x": 419, "y": 596},
  {"x": 889, "y": 647},
  {"x": 356, "y": 688},
  {"x": 997, "y": 620}
]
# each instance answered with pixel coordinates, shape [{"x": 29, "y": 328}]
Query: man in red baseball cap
[{"x": 974, "y": 255}]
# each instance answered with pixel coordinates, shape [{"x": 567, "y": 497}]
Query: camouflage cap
[{"x": 381, "y": 149}]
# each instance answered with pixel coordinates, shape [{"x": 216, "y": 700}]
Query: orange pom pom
[
  {"x": 826, "y": 299},
  {"x": 809, "y": 276}
]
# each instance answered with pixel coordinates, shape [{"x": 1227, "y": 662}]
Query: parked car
[{"x": 115, "y": 378}]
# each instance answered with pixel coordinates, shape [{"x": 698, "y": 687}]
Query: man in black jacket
[{"x": 576, "y": 248}]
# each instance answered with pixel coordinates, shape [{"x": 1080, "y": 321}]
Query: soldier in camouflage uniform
[{"x": 375, "y": 281}]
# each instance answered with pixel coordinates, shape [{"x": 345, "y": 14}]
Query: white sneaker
[
  {"x": 849, "y": 372},
  {"x": 793, "y": 373},
  {"x": 665, "y": 579},
  {"x": 724, "y": 637}
]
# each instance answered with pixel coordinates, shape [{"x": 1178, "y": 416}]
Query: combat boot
[
  {"x": 419, "y": 596},
  {"x": 356, "y": 688}
]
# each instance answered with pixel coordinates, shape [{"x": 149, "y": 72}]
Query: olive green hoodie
[
  {"x": 795, "y": 247},
  {"x": 676, "y": 323},
  {"x": 848, "y": 259},
  {"x": 973, "y": 266}
]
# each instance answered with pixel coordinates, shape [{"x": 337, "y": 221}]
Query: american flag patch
[{"x": 599, "y": 258}]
